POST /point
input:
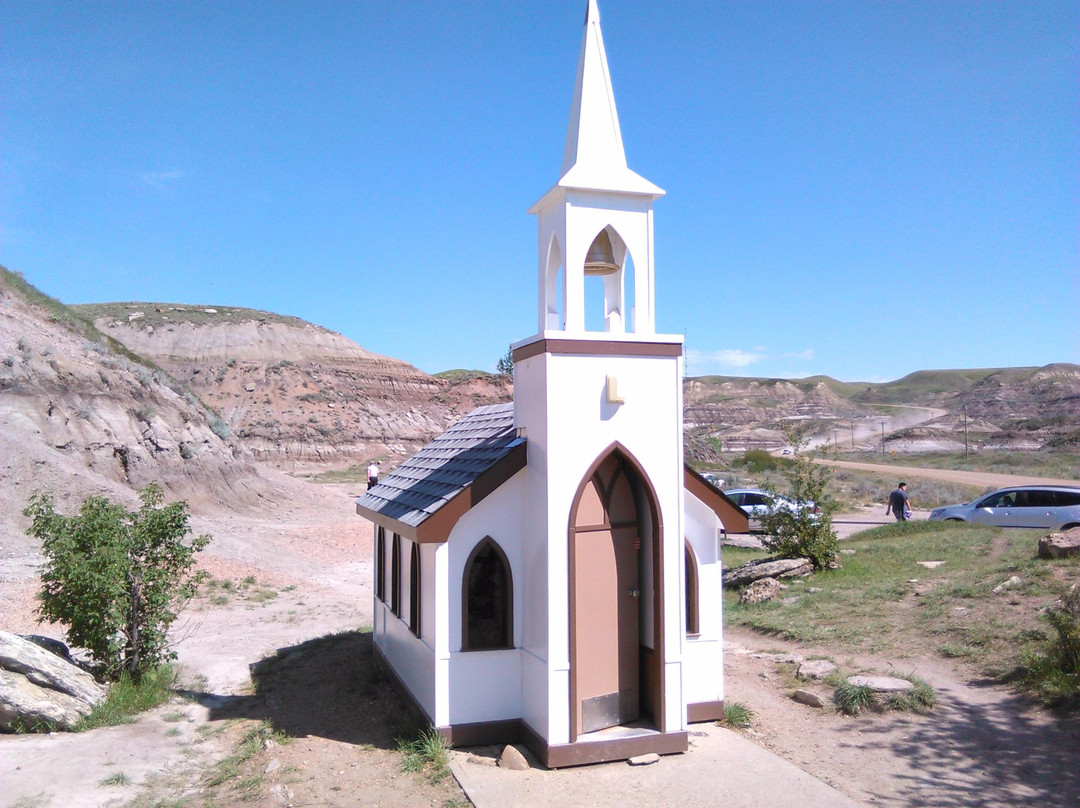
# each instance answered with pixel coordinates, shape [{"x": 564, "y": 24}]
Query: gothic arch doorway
[{"x": 614, "y": 543}]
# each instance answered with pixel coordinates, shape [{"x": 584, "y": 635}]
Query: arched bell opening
[
  {"x": 605, "y": 283},
  {"x": 554, "y": 312}
]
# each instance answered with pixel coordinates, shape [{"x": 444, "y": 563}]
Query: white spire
[{"x": 594, "y": 156}]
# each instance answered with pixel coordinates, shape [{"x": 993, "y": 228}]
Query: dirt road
[{"x": 974, "y": 478}]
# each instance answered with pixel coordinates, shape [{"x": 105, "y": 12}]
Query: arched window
[
  {"x": 395, "y": 575},
  {"x": 380, "y": 563},
  {"x": 487, "y": 594},
  {"x": 692, "y": 625},
  {"x": 414, "y": 590}
]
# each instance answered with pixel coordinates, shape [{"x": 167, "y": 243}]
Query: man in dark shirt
[{"x": 899, "y": 503}]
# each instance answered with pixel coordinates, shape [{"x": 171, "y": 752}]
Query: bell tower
[
  {"x": 597, "y": 220},
  {"x": 598, "y": 397}
]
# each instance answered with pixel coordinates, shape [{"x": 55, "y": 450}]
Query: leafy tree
[
  {"x": 505, "y": 366},
  {"x": 801, "y": 533},
  {"x": 116, "y": 578}
]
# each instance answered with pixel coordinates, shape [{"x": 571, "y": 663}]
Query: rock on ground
[
  {"x": 760, "y": 591},
  {"x": 37, "y": 686},
  {"x": 767, "y": 568},
  {"x": 882, "y": 684},
  {"x": 1060, "y": 545}
]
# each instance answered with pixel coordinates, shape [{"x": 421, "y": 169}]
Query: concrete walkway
[{"x": 721, "y": 768}]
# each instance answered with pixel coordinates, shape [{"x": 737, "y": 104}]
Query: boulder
[
  {"x": 760, "y": 591},
  {"x": 882, "y": 684},
  {"x": 1011, "y": 583},
  {"x": 815, "y": 669},
  {"x": 38, "y": 687},
  {"x": 511, "y": 758},
  {"x": 767, "y": 568},
  {"x": 1060, "y": 545},
  {"x": 809, "y": 699}
]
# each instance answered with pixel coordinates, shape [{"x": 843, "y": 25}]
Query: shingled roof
[{"x": 424, "y": 497}]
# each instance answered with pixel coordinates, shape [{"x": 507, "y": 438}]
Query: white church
[{"x": 547, "y": 572}]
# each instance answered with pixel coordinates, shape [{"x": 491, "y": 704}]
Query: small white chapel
[{"x": 547, "y": 572}]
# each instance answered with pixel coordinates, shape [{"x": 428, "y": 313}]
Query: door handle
[{"x": 634, "y": 592}]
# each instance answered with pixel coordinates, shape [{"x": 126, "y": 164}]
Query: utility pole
[
  {"x": 852, "y": 433},
  {"x": 882, "y": 438}
]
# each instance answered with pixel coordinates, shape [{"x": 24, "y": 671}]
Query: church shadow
[
  {"x": 971, "y": 755},
  {"x": 329, "y": 687}
]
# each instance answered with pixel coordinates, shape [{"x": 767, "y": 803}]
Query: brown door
[{"x": 605, "y": 605}]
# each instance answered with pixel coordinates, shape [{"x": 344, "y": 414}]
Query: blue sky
[{"x": 859, "y": 188}]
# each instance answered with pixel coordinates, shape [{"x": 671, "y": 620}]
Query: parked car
[
  {"x": 715, "y": 479},
  {"x": 1054, "y": 507},
  {"x": 757, "y": 503}
]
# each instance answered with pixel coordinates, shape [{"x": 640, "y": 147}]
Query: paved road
[{"x": 975, "y": 478}]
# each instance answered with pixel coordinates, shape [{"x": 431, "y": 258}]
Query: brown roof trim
[
  {"x": 597, "y": 348},
  {"x": 733, "y": 518},
  {"x": 436, "y": 528}
]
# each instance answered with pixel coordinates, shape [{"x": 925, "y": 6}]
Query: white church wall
[
  {"x": 703, "y": 654},
  {"x": 579, "y": 425},
  {"x": 413, "y": 660},
  {"x": 537, "y": 667},
  {"x": 498, "y": 516}
]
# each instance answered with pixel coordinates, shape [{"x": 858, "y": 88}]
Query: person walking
[
  {"x": 899, "y": 504},
  {"x": 372, "y": 475}
]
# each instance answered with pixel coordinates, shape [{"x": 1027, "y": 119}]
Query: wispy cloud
[
  {"x": 725, "y": 359},
  {"x": 732, "y": 360},
  {"x": 162, "y": 179}
]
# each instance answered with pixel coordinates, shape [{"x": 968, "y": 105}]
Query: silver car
[
  {"x": 757, "y": 503},
  {"x": 1053, "y": 507}
]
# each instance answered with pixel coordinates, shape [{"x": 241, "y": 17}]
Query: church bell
[{"x": 600, "y": 260}]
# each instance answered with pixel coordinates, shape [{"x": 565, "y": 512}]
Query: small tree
[
  {"x": 505, "y": 366},
  {"x": 116, "y": 578},
  {"x": 799, "y": 532}
]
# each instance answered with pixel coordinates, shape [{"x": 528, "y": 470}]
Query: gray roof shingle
[{"x": 416, "y": 489}]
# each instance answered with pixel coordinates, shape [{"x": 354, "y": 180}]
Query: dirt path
[
  {"x": 982, "y": 747},
  {"x": 975, "y": 478}
]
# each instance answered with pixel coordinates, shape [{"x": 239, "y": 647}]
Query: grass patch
[
  {"x": 253, "y": 741},
  {"x": 1058, "y": 465},
  {"x": 426, "y": 752},
  {"x": 128, "y": 697},
  {"x": 881, "y": 599},
  {"x": 853, "y": 699},
  {"x": 353, "y": 474},
  {"x": 737, "y": 714},
  {"x": 116, "y": 779}
]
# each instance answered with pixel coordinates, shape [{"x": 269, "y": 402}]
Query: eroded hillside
[
  {"x": 292, "y": 391},
  {"x": 80, "y": 415}
]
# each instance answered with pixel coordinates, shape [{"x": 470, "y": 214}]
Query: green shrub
[
  {"x": 757, "y": 461},
  {"x": 1054, "y": 673},
  {"x": 115, "y": 578},
  {"x": 802, "y": 533}
]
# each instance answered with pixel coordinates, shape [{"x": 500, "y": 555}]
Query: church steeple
[
  {"x": 597, "y": 219},
  {"x": 594, "y": 156}
]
